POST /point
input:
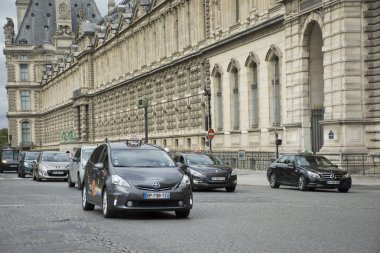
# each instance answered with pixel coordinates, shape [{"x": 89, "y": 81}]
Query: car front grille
[
  {"x": 331, "y": 176},
  {"x": 153, "y": 189}
]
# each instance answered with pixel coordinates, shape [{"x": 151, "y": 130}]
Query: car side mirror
[
  {"x": 99, "y": 166},
  {"x": 336, "y": 166},
  {"x": 34, "y": 161},
  {"x": 184, "y": 168},
  {"x": 75, "y": 159}
]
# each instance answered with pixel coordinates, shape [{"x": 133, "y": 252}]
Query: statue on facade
[{"x": 9, "y": 31}]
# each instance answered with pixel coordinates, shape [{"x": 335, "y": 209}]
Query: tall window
[
  {"x": 254, "y": 95},
  {"x": 25, "y": 100},
  {"x": 235, "y": 110},
  {"x": 24, "y": 73},
  {"x": 25, "y": 131},
  {"x": 276, "y": 91},
  {"x": 237, "y": 11},
  {"x": 219, "y": 101}
]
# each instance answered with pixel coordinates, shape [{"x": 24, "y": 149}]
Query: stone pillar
[{"x": 83, "y": 123}]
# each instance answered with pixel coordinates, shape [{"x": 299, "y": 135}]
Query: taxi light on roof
[{"x": 133, "y": 140}]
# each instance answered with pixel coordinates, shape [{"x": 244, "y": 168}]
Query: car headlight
[
  {"x": 44, "y": 167},
  {"x": 234, "y": 172},
  {"x": 4, "y": 161},
  {"x": 196, "y": 173},
  {"x": 117, "y": 180},
  {"x": 347, "y": 175},
  {"x": 313, "y": 175},
  {"x": 185, "y": 181}
]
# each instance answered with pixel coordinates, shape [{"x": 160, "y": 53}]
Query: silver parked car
[
  {"x": 77, "y": 164},
  {"x": 51, "y": 165}
]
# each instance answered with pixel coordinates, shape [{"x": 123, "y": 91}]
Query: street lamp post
[
  {"x": 207, "y": 93},
  {"x": 143, "y": 103}
]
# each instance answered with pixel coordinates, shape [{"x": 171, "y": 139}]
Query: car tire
[
  {"x": 182, "y": 213},
  {"x": 301, "y": 183},
  {"x": 38, "y": 178},
  {"x": 79, "y": 183},
  {"x": 343, "y": 189},
  {"x": 107, "y": 213},
  {"x": 70, "y": 184},
  {"x": 85, "y": 205},
  {"x": 273, "y": 182},
  {"x": 230, "y": 188}
]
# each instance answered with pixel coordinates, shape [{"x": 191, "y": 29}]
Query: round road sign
[{"x": 210, "y": 134}]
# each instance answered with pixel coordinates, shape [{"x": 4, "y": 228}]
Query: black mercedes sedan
[
  {"x": 131, "y": 176},
  {"x": 307, "y": 171},
  {"x": 208, "y": 171}
]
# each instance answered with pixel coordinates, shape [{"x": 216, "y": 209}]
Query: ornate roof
[{"x": 40, "y": 25}]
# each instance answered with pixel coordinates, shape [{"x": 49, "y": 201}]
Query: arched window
[
  {"x": 219, "y": 101},
  {"x": 276, "y": 94},
  {"x": 253, "y": 96},
  {"x": 235, "y": 104},
  {"x": 25, "y": 132}
]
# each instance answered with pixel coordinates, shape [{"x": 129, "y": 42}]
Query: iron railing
[{"x": 361, "y": 163}]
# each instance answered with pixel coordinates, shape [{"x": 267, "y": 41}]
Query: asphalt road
[{"x": 48, "y": 217}]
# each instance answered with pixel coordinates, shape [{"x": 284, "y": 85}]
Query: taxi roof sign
[{"x": 133, "y": 140}]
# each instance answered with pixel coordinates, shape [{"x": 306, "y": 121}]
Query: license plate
[
  {"x": 58, "y": 172},
  {"x": 156, "y": 195},
  {"x": 333, "y": 182},
  {"x": 218, "y": 178}
]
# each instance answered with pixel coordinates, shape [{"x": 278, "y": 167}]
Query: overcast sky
[{"x": 8, "y": 9}]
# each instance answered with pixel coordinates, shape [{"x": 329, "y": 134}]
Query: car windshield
[
  {"x": 86, "y": 153},
  {"x": 314, "y": 161},
  {"x": 141, "y": 158},
  {"x": 55, "y": 157},
  {"x": 10, "y": 154},
  {"x": 197, "y": 159},
  {"x": 31, "y": 156}
]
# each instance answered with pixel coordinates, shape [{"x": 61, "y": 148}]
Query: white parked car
[{"x": 77, "y": 164}]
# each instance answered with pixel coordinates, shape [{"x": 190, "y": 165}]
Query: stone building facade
[{"x": 306, "y": 70}]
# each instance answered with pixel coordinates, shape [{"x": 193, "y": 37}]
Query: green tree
[{"x": 3, "y": 137}]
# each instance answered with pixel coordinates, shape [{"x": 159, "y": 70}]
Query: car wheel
[
  {"x": 79, "y": 183},
  {"x": 85, "y": 205},
  {"x": 231, "y": 188},
  {"x": 71, "y": 184},
  {"x": 302, "y": 183},
  {"x": 107, "y": 213},
  {"x": 38, "y": 177},
  {"x": 182, "y": 213},
  {"x": 343, "y": 189},
  {"x": 273, "y": 181}
]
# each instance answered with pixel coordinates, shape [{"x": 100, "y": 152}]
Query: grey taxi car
[
  {"x": 77, "y": 164},
  {"x": 51, "y": 165},
  {"x": 133, "y": 176}
]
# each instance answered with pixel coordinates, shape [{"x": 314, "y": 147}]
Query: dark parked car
[
  {"x": 51, "y": 165},
  {"x": 26, "y": 162},
  {"x": 208, "y": 171},
  {"x": 307, "y": 172},
  {"x": 9, "y": 160},
  {"x": 135, "y": 177}
]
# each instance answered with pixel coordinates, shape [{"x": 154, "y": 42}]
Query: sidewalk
[{"x": 250, "y": 177}]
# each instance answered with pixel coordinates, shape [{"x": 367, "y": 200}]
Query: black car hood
[
  {"x": 211, "y": 168},
  {"x": 325, "y": 170},
  {"x": 140, "y": 177}
]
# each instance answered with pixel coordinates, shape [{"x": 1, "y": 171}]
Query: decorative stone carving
[{"x": 9, "y": 31}]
